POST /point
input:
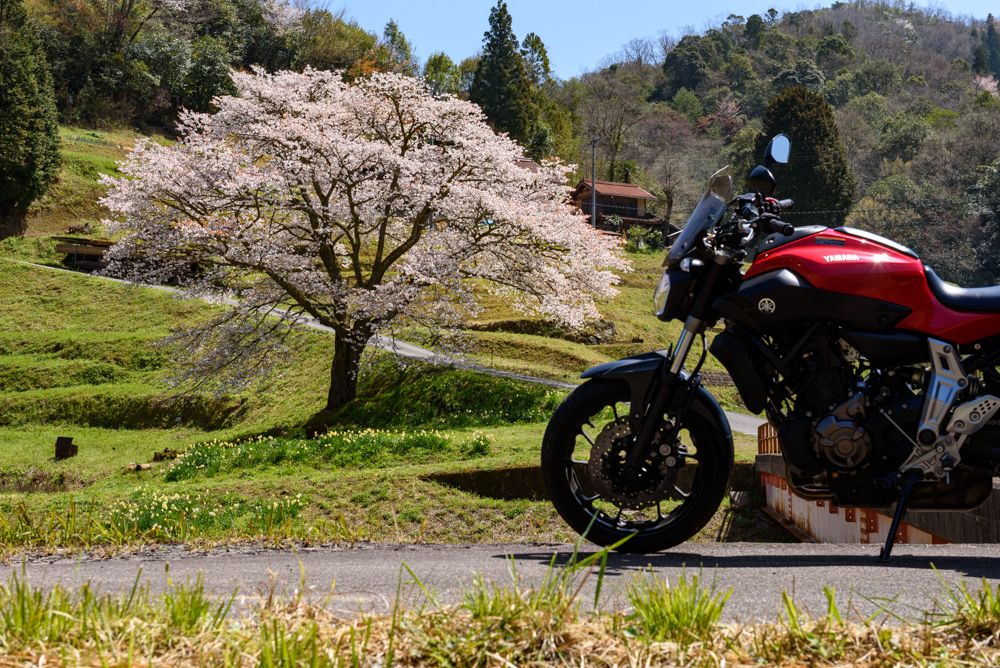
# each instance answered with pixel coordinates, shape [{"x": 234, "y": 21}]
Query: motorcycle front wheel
[{"x": 583, "y": 455}]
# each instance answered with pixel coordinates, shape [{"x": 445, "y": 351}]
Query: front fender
[
  {"x": 638, "y": 371},
  {"x": 642, "y": 372}
]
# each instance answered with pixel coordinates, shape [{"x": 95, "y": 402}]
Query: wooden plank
[
  {"x": 85, "y": 241},
  {"x": 71, "y": 249},
  {"x": 767, "y": 440},
  {"x": 789, "y": 526}
]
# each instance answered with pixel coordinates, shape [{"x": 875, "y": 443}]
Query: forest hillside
[{"x": 912, "y": 91}]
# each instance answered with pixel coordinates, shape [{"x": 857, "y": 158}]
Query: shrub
[
  {"x": 442, "y": 397},
  {"x": 642, "y": 239},
  {"x": 370, "y": 448}
]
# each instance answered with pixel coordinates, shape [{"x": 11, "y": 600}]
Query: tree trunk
[
  {"x": 13, "y": 223},
  {"x": 669, "y": 196},
  {"x": 344, "y": 370}
]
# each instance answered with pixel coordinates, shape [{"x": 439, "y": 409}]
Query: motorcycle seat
[{"x": 963, "y": 299}]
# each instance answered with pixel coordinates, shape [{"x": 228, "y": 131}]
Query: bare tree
[
  {"x": 664, "y": 45},
  {"x": 613, "y": 103}
]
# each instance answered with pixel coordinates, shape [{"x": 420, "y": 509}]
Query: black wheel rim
[{"x": 660, "y": 516}]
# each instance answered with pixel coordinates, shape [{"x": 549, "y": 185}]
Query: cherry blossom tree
[{"x": 359, "y": 206}]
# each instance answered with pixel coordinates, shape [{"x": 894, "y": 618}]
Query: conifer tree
[
  {"x": 991, "y": 40},
  {"x": 980, "y": 60},
  {"x": 501, "y": 85},
  {"x": 29, "y": 139},
  {"x": 818, "y": 176},
  {"x": 754, "y": 30}
]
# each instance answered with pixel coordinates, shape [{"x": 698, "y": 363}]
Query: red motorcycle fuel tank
[{"x": 862, "y": 266}]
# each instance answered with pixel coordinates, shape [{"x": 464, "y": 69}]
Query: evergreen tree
[
  {"x": 401, "y": 51},
  {"x": 755, "y": 28},
  {"x": 980, "y": 60},
  {"x": 536, "y": 61},
  {"x": 691, "y": 62},
  {"x": 442, "y": 74},
  {"x": 818, "y": 176},
  {"x": 551, "y": 128},
  {"x": 209, "y": 74},
  {"x": 29, "y": 139},
  {"x": 991, "y": 40},
  {"x": 500, "y": 85}
]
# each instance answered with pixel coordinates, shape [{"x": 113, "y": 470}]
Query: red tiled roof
[
  {"x": 613, "y": 189},
  {"x": 530, "y": 165}
]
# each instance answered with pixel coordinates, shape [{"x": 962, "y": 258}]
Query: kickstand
[{"x": 910, "y": 478}]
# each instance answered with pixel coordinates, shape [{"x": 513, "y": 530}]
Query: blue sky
[{"x": 576, "y": 34}]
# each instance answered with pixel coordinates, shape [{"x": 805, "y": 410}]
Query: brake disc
[{"x": 653, "y": 482}]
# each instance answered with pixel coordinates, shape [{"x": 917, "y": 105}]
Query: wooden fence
[{"x": 767, "y": 440}]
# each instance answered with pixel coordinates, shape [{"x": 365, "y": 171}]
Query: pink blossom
[{"x": 357, "y": 205}]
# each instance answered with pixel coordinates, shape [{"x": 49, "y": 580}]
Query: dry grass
[{"x": 494, "y": 626}]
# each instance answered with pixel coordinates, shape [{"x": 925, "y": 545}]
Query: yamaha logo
[{"x": 766, "y": 305}]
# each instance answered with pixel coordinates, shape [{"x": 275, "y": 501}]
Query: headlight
[{"x": 661, "y": 294}]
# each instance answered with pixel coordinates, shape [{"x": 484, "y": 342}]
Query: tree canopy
[
  {"x": 29, "y": 139},
  {"x": 378, "y": 204},
  {"x": 931, "y": 75},
  {"x": 818, "y": 177},
  {"x": 500, "y": 86}
]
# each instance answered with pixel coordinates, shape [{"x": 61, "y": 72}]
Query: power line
[{"x": 913, "y": 207}]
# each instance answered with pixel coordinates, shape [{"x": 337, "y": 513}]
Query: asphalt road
[
  {"x": 739, "y": 422},
  {"x": 367, "y": 577}
]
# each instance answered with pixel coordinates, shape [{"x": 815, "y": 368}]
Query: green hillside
[{"x": 76, "y": 359}]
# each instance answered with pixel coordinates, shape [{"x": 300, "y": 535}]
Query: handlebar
[
  {"x": 760, "y": 215},
  {"x": 771, "y": 224}
]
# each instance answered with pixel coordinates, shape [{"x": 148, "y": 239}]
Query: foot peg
[{"x": 909, "y": 479}]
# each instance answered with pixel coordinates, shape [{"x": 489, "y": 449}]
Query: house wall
[{"x": 617, "y": 206}]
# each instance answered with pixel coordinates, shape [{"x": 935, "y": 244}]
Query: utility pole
[{"x": 593, "y": 182}]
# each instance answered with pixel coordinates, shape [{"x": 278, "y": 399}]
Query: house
[
  {"x": 625, "y": 200},
  {"x": 529, "y": 164}
]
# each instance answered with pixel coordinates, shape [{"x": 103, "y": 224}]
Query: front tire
[{"x": 652, "y": 522}]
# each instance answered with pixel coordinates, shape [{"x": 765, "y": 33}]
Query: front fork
[
  {"x": 692, "y": 328},
  {"x": 669, "y": 384},
  {"x": 667, "y": 387}
]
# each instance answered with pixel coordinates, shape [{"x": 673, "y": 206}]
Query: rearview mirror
[
  {"x": 762, "y": 180},
  {"x": 778, "y": 150}
]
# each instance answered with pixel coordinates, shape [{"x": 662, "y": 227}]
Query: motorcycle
[{"x": 880, "y": 378}]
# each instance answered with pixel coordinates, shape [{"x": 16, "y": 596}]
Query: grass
[
  {"x": 370, "y": 448},
  {"x": 684, "y": 613},
  {"x": 167, "y": 517},
  {"x": 72, "y": 200},
  {"x": 559, "y": 359},
  {"x": 427, "y": 396},
  {"x": 77, "y": 359},
  {"x": 547, "y": 624}
]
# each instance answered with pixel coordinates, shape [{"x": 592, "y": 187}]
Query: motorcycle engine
[
  {"x": 841, "y": 436},
  {"x": 845, "y": 431}
]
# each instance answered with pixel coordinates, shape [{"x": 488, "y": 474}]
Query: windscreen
[{"x": 708, "y": 212}]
